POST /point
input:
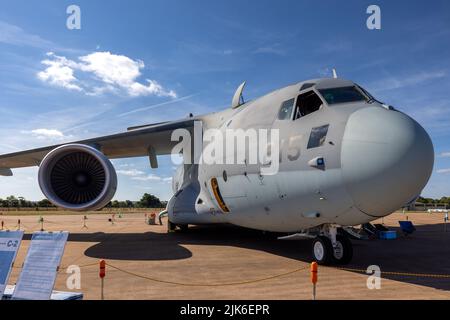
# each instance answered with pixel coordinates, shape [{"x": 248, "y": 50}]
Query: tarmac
[{"x": 227, "y": 262}]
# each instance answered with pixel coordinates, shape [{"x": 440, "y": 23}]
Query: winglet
[
  {"x": 6, "y": 172},
  {"x": 238, "y": 100}
]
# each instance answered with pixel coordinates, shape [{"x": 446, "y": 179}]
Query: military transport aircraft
[{"x": 344, "y": 159}]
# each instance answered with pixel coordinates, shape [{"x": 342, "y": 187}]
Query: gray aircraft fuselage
[{"x": 343, "y": 163}]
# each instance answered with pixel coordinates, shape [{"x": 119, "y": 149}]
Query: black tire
[
  {"x": 346, "y": 246},
  {"x": 322, "y": 250},
  {"x": 171, "y": 227},
  {"x": 183, "y": 227}
]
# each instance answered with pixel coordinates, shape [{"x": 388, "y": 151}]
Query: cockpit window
[
  {"x": 285, "y": 112},
  {"x": 342, "y": 95},
  {"x": 307, "y": 103},
  {"x": 371, "y": 97},
  {"x": 306, "y": 86}
]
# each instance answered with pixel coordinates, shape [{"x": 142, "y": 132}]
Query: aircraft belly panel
[{"x": 353, "y": 217}]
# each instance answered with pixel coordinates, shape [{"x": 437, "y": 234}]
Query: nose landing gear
[
  {"x": 172, "y": 227},
  {"x": 331, "y": 248}
]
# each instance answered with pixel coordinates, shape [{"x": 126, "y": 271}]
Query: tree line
[
  {"x": 443, "y": 200},
  {"x": 147, "y": 201}
]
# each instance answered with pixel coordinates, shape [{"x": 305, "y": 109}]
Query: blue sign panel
[{"x": 9, "y": 245}]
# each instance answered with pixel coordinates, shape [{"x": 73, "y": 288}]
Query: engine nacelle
[{"x": 77, "y": 177}]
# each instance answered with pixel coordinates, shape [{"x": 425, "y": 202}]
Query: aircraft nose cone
[{"x": 387, "y": 159}]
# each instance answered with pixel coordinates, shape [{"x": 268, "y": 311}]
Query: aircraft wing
[{"x": 136, "y": 142}]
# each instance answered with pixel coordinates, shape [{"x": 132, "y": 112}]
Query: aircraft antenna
[{"x": 334, "y": 73}]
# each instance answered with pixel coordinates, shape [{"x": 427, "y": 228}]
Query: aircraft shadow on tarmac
[{"x": 427, "y": 251}]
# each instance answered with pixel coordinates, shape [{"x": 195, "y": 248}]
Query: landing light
[{"x": 318, "y": 163}]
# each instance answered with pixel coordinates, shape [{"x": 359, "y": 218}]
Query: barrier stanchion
[
  {"x": 3, "y": 224},
  {"x": 445, "y": 221},
  {"x": 314, "y": 278},
  {"x": 102, "y": 274},
  {"x": 152, "y": 219},
  {"x": 18, "y": 224},
  {"x": 84, "y": 223},
  {"x": 41, "y": 221}
]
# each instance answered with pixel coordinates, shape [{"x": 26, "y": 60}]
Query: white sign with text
[{"x": 40, "y": 269}]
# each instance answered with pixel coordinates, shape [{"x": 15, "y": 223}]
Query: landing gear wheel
[
  {"x": 171, "y": 226},
  {"x": 183, "y": 227},
  {"x": 322, "y": 250},
  {"x": 343, "y": 253}
]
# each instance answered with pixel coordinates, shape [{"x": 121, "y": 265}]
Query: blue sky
[{"x": 139, "y": 62}]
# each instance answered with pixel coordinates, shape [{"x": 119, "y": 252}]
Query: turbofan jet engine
[{"x": 77, "y": 177}]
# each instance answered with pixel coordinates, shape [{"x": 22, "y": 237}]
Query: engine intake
[{"x": 77, "y": 177}]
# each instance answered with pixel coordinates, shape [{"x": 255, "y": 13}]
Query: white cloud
[
  {"x": 274, "y": 49},
  {"x": 59, "y": 72},
  {"x": 46, "y": 134},
  {"x": 139, "y": 175},
  {"x": 15, "y": 35},
  {"x": 123, "y": 165},
  {"x": 131, "y": 172},
  {"x": 391, "y": 83},
  {"x": 157, "y": 105},
  {"x": 152, "y": 88},
  {"x": 445, "y": 154},
  {"x": 444, "y": 171},
  {"x": 111, "y": 68},
  {"x": 115, "y": 73},
  {"x": 150, "y": 177}
]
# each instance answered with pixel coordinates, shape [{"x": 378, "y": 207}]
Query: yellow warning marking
[{"x": 218, "y": 196}]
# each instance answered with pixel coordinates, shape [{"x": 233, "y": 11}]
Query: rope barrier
[
  {"x": 395, "y": 273},
  {"x": 125, "y": 218},
  {"x": 23, "y": 227},
  {"x": 236, "y": 283},
  {"x": 65, "y": 267},
  {"x": 84, "y": 266},
  {"x": 419, "y": 275},
  {"x": 206, "y": 284},
  {"x": 409, "y": 274}
]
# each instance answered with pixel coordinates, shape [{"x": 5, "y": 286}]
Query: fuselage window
[
  {"x": 318, "y": 137},
  {"x": 307, "y": 103},
  {"x": 285, "y": 112}
]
